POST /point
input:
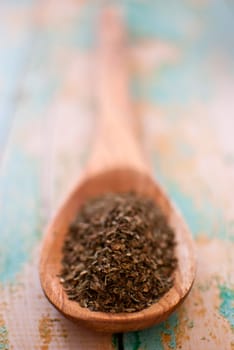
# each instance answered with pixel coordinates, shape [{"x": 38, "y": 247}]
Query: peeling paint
[
  {"x": 19, "y": 189},
  {"x": 4, "y": 343},
  {"x": 45, "y": 327},
  {"x": 204, "y": 218},
  {"x": 226, "y": 307},
  {"x": 154, "y": 337},
  {"x": 202, "y": 32}
]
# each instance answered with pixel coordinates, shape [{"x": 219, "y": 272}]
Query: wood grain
[{"x": 183, "y": 88}]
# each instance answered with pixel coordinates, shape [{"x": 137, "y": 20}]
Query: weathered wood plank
[
  {"x": 42, "y": 137},
  {"x": 184, "y": 84},
  {"x": 192, "y": 150}
]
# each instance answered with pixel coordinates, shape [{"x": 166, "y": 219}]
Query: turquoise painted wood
[{"x": 183, "y": 88}]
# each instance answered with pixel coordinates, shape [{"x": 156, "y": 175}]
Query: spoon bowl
[
  {"x": 116, "y": 180},
  {"x": 116, "y": 165}
]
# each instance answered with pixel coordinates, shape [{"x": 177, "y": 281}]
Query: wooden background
[{"x": 183, "y": 87}]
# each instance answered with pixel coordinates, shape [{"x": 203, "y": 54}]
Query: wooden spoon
[{"x": 116, "y": 165}]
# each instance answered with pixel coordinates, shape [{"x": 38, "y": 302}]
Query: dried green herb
[{"x": 118, "y": 255}]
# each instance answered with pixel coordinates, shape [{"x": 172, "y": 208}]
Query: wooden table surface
[{"x": 182, "y": 57}]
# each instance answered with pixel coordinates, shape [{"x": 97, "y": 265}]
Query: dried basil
[{"x": 118, "y": 255}]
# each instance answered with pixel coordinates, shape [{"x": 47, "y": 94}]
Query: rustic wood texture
[{"x": 182, "y": 64}]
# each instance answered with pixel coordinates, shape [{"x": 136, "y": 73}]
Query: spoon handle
[{"x": 117, "y": 144}]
